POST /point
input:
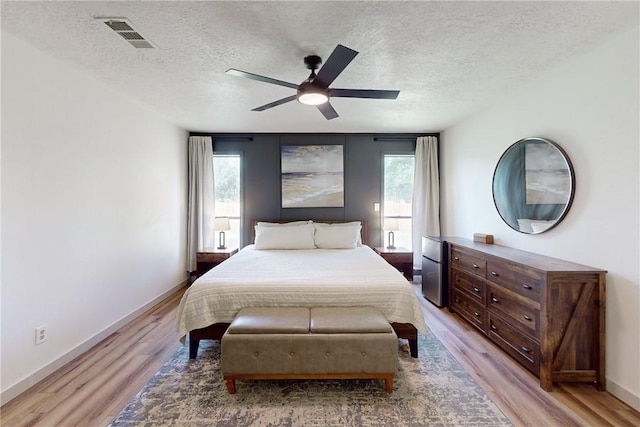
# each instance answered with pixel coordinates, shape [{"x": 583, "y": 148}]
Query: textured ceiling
[{"x": 448, "y": 59}]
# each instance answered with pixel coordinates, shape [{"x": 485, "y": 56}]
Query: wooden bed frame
[{"x": 216, "y": 331}]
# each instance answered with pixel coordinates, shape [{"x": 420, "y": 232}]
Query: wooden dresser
[{"x": 546, "y": 313}]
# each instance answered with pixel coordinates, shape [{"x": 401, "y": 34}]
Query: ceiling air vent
[{"x": 123, "y": 27}]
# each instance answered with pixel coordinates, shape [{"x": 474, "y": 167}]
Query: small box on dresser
[{"x": 546, "y": 313}]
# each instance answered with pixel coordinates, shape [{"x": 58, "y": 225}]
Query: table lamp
[
  {"x": 222, "y": 224},
  {"x": 391, "y": 225}
]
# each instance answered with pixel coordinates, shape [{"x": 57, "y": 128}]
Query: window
[
  {"x": 226, "y": 177},
  {"x": 397, "y": 197}
]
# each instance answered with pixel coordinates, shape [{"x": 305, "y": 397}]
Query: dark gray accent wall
[{"x": 363, "y": 163}]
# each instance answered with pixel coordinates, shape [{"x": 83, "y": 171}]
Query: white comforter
[{"x": 304, "y": 278}]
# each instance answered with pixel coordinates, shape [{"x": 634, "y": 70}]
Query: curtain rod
[
  {"x": 394, "y": 139},
  {"x": 232, "y": 138}
]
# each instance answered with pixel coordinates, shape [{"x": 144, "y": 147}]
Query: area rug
[{"x": 432, "y": 390}]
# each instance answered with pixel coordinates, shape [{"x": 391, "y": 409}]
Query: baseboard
[
  {"x": 33, "y": 379},
  {"x": 623, "y": 394}
]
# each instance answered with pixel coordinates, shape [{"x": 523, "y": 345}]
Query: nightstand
[
  {"x": 210, "y": 257},
  {"x": 400, "y": 258}
]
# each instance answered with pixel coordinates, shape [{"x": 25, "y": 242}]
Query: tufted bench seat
[{"x": 309, "y": 343}]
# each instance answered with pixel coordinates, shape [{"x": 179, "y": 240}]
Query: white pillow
[
  {"x": 540, "y": 226},
  {"x": 336, "y": 236},
  {"x": 292, "y": 237},
  {"x": 345, "y": 224},
  {"x": 525, "y": 225}
]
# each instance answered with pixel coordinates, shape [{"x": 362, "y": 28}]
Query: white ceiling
[{"x": 448, "y": 59}]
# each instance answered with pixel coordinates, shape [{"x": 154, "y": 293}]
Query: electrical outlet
[{"x": 42, "y": 334}]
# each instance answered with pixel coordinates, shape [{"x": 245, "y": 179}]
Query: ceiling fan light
[
  {"x": 309, "y": 94},
  {"x": 313, "y": 98}
]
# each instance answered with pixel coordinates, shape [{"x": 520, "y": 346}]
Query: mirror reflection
[{"x": 533, "y": 185}]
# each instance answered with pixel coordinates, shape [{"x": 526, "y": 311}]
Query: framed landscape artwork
[
  {"x": 547, "y": 175},
  {"x": 312, "y": 176}
]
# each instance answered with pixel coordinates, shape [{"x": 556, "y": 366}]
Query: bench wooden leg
[
  {"x": 231, "y": 386},
  {"x": 388, "y": 382}
]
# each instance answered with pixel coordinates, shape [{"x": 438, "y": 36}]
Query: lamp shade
[
  {"x": 391, "y": 224},
  {"x": 310, "y": 94},
  {"x": 222, "y": 224}
]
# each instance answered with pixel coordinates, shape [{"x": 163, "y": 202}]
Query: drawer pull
[
  {"x": 494, "y": 299},
  {"x": 476, "y": 314},
  {"x": 527, "y": 318},
  {"x": 525, "y": 349},
  {"x": 493, "y": 273},
  {"x": 526, "y": 286},
  {"x": 475, "y": 289},
  {"x": 456, "y": 258},
  {"x": 476, "y": 266},
  {"x": 494, "y": 328}
]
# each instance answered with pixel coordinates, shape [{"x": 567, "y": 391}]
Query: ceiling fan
[{"x": 315, "y": 89}]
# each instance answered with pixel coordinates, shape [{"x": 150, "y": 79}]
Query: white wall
[
  {"x": 590, "y": 107},
  {"x": 93, "y": 211}
]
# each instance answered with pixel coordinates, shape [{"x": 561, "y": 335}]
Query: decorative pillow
[
  {"x": 336, "y": 236},
  {"x": 292, "y": 237}
]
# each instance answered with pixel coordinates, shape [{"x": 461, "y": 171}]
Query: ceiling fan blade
[
  {"x": 327, "y": 110},
  {"x": 260, "y": 78},
  {"x": 334, "y": 65},
  {"x": 275, "y": 103},
  {"x": 364, "y": 93}
]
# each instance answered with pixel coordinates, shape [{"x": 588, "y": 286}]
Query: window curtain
[
  {"x": 426, "y": 194},
  {"x": 200, "y": 230}
]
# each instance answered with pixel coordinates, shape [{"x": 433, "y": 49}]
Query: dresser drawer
[
  {"x": 469, "y": 284},
  {"x": 521, "y": 347},
  {"x": 524, "y": 312},
  {"x": 473, "y": 311},
  {"x": 465, "y": 261},
  {"x": 520, "y": 279}
]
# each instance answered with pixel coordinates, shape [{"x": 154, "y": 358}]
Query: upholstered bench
[{"x": 309, "y": 343}]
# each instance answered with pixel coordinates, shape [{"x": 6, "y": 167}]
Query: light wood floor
[
  {"x": 515, "y": 391},
  {"x": 92, "y": 389}
]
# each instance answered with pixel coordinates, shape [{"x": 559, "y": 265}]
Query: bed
[{"x": 305, "y": 264}]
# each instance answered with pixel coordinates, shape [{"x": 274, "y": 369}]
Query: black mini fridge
[{"x": 435, "y": 256}]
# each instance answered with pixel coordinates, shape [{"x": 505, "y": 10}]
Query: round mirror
[{"x": 533, "y": 185}]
